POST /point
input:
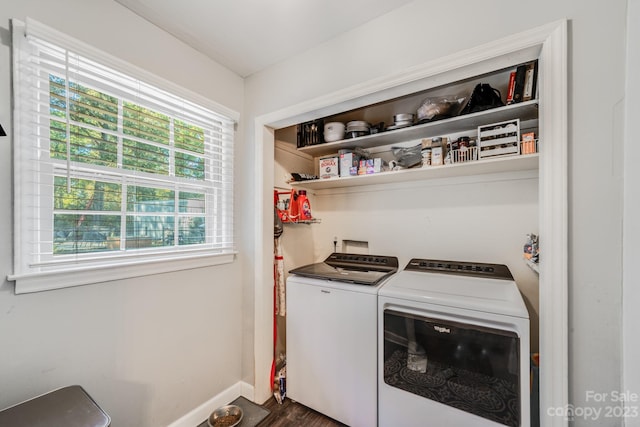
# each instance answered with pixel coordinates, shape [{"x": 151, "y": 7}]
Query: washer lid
[
  {"x": 351, "y": 268},
  {"x": 457, "y": 289},
  {"x": 295, "y": 280}
]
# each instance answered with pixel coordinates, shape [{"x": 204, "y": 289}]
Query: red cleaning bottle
[
  {"x": 294, "y": 206},
  {"x": 305, "y": 206}
]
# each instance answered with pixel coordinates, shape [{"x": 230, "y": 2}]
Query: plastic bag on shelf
[
  {"x": 440, "y": 107},
  {"x": 408, "y": 157}
]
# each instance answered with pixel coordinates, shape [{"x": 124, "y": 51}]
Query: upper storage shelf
[
  {"x": 524, "y": 111},
  {"x": 500, "y": 164}
]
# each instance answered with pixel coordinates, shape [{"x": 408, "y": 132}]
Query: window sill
[{"x": 45, "y": 281}]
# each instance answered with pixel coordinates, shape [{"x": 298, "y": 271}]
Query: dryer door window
[{"x": 472, "y": 368}]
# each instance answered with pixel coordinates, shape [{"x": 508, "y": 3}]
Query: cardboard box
[
  {"x": 528, "y": 143},
  {"x": 328, "y": 167},
  {"x": 438, "y": 149},
  {"x": 370, "y": 168},
  {"x": 348, "y": 161},
  {"x": 530, "y": 81},
  {"x": 518, "y": 90},
  {"x": 377, "y": 165},
  {"x": 437, "y": 155},
  {"x": 362, "y": 168},
  {"x": 511, "y": 87},
  {"x": 428, "y": 142}
]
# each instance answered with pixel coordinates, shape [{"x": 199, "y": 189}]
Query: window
[{"x": 111, "y": 169}]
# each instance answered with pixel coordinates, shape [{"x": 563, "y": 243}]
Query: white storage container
[{"x": 499, "y": 139}]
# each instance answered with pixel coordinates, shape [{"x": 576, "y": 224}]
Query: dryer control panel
[{"x": 477, "y": 269}]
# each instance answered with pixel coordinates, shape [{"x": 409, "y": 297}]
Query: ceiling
[{"x": 247, "y": 36}]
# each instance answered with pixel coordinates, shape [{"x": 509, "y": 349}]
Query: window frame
[{"x": 97, "y": 267}]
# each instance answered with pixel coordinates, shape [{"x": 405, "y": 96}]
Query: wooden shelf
[
  {"x": 524, "y": 111},
  {"x": 478, "y": 167}
]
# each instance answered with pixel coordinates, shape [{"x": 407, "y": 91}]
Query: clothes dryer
[{"x": 453, "y": 347}]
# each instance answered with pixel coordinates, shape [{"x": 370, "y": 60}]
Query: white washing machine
[
  {"x": 453, "y": 347},
  {"x": 332, "y": 311}
]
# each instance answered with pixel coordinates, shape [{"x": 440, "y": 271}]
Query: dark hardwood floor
[{"x": 293, "y": 414}]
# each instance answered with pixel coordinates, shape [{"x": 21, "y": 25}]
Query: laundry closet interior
[
  {"x": 481, "y": 215},
  {"x": 479, "y": 211}
]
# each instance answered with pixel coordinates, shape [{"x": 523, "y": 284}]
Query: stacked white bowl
[{"x": 333, "y": 131}]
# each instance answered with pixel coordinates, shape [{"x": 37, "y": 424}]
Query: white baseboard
[{"x": 202, "y": 412}]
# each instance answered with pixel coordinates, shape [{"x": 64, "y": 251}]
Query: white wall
[
  {"x": 479, "y": 219},
  {"x": 631, "y": 276},
  {"x": 596, "y": 88},
  {"x": 150, "y": 349}
]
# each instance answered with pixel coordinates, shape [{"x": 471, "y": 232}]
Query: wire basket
[{"x": 463, "y": 154}]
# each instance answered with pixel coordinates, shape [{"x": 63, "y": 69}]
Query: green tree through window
[{"x": 111, "y": 214}]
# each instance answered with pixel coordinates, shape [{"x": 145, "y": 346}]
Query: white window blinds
[{"x": 109, "y": 168}]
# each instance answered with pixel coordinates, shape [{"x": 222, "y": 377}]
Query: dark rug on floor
[
  {"x": 252, "y": 413},
  {"x": 493, "y": 398}
]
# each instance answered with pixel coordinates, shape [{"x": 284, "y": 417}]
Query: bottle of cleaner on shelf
[
  {"x": 294, "y": 211},
  {"x": 304, "y": 210}
]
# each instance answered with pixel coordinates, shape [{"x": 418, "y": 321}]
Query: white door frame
[
  {"x": 551, "y": 42},
  {"x": 631, "y": 210}
]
